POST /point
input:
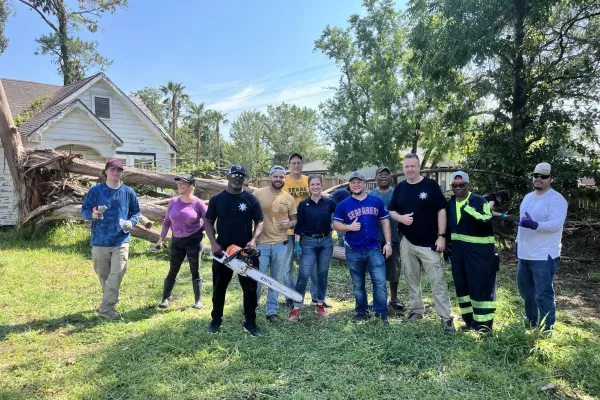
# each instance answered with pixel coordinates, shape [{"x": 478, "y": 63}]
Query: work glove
[
  {"x": 527, "y": 222},
  {"x": 297, "y": 250},
  {"x": 503, "y": 216}
]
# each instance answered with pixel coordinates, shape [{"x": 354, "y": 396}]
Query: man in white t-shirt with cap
[{"x": 543, "y": 213}]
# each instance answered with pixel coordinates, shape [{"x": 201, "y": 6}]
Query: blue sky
[{"x": 216, "y": 48}]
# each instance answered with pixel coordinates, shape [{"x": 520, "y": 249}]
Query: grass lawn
[{"x": 52, "y": 345}]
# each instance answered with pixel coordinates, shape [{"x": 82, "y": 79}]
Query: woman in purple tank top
[{"x": 185, "y": 217}]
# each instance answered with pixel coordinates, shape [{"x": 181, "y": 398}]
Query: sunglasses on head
[
  {"x": 540, "y": 176},
  {"x": 459, "y": 185}
]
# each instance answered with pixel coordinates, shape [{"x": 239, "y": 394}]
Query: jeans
[
  {"x": 288, "y": 265},
  {"x": 317, "y": 251},
  {"x": 271, "y": 255},
  {"x": 534, "y": 279},
  {"x": 358, "y": 263}
]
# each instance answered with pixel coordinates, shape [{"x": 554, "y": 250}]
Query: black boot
[
  {"x": 168, "y": 288},
  {"x": 197, "y": 285}
]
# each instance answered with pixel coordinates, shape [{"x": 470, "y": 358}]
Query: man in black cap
[{"x": 234, "y": 210}]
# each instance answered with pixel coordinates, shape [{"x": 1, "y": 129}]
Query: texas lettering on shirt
[
  {"x": 301, "y": 192},
  {"x": 363, "y": 211}
]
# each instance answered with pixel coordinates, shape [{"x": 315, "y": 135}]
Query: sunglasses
[
  {"x": 236, "y": 176},
  {"x": 459, "y": 185},
  {"x": 539, "y": 176}
]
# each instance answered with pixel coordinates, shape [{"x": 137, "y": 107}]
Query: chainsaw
[{"x": 245, "y": 262}]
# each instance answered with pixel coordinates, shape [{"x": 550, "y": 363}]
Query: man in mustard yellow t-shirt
[
  {"x": 279, "y": 209},
  {"x": 296, "y": 184}
]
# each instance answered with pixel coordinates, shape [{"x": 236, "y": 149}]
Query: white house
[{"x": 92, "y": 117}]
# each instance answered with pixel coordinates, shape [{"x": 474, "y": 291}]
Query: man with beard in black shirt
[{"x": 234, "y": 211}]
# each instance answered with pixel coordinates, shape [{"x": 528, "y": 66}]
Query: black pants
[
  {"x": 221, "y": 278},
  {"x": 186, "y": 246},
  {"x": 474, "y": 271}
]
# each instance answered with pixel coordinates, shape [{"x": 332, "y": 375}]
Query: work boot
[
  {"x": 197, "y": 286},
  {"x": 448, "y": 325},
  {"x": 110, "y": 314},
  {"x": 289, "y": 303},
  {"x": 167, "y": 289},
  {"x": 412, "y": 317},
  {"x": 214, "y": 326}
]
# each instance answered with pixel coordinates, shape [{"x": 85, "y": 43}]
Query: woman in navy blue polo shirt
[{"x": 313, "y": 243}]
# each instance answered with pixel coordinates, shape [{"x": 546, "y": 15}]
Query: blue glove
[
  {"x": 527, "y": 222},
  {"x": 297, "y": 250},
  {"x": 503, "y": 216}
]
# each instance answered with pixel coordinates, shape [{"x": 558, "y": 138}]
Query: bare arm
[
  {"x": 387, "y": 230},
  {"x": 440, "y": 243},
  {"x": 210, "y": 233},
  {"x": 258, "y": 228}
]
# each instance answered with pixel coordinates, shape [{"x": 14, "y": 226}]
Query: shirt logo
[
  {"x": 242, "y": 207},
  {"x": 422, "y": 195}
]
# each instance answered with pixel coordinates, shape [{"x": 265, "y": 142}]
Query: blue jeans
[
  {"x": 358, "y": 263},
  {"x": 534, "y": 279},
  {"x": 317, "y": 251},
  {"x": 288, "y": 276},
  {"x": 271, "y": 255}
]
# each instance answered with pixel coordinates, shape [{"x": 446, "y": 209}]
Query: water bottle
[
  {"x": 101, "y": 210},
  {"x": 124, "y": 226}
]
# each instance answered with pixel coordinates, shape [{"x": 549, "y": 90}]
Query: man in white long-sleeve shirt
[{"x": 543, "y": 214}]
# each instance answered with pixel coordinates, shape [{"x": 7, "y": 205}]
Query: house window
[
  {"x": 143, "y": 162},
  {"x": 102, "y": 107}
]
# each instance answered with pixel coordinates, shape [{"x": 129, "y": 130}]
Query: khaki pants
[
  {"x": 110, "y": 263},
  {"x": 412, "y": 257}
]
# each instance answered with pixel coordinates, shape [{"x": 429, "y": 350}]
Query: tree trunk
[
  {"x": 174, "y": 115},
  {"x": 198, "y": 144},
  {"x": 218, "y": 149},
  {"x": 68, "y": 67},
  {"x": 518, "y": 103}
]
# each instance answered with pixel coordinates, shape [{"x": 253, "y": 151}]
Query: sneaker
[
  {"x": 385, "y": 320},
  {"x": 321, "y": 311},
  {"x": 273, "y": 318},
  {"x": 198, "y": 305},
  {"x": 110, "y": 314},
  {"x": 360, "y": 317},
  {"x": 396, "y": 305},
  {"x": 164, "y": 304},
  {"x": 252, "y": 330},
  {"x": 214, "y": 327},
  {"x": 289, "y": 303},
  {"x": 448, "y": 325},
  {"x": 314, "y": 302},
  {"x": 465, "y": 328},
  {"x": 294, "y": 315},
  {"x": 412, "y": 317}
]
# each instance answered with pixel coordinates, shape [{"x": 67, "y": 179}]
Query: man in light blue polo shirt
[{"x": 359, "y": 217}]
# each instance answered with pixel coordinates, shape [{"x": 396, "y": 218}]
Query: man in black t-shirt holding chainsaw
[{"x": 234, "y": 211}]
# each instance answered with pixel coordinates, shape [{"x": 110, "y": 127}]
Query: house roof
[
  {"x": 21, "y": 94},
  {"x": 318, "y": 165}
]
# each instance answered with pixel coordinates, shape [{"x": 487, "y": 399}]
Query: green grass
[{"x": 52, "y": 345}]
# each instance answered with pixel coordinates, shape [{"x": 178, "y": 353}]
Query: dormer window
[{"x": 102, "y": 107}]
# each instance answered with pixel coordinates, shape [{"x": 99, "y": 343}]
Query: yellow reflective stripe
[
  {"x": 483, "y": 317},
  {"x": 466, "y": 310},
  {"x": 487, "y": 212},
  {"x": 463, "y": 299},
  {"x": 483, "y": 304},
  {"x": 473, "y": 239}
]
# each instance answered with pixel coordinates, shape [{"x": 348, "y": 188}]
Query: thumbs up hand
[
  {"x": 407, "y": 219},
  {"x": 354, "y": 226},
  {"x": 527, "y": 222}
]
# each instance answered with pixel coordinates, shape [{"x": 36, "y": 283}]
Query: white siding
[
  {"x": 87, "y": 153},
  {"x": 8, "y": 207},
  {"x": 136, "y": 133}
]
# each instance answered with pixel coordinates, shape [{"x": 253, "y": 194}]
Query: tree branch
[{"x": 40, "y": 13}]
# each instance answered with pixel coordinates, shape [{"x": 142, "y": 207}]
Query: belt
[{"x": 316, "y": 235}]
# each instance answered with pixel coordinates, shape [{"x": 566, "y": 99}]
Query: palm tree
[
  {"x": 218, "y": 117},
  {"x": 198, "y": 118},
  {"x": 176, "y": 102}
]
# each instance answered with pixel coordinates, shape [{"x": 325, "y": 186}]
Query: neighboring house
[
  {"x": 92, "y": 117},
  {"x": 318, "y": 167}
]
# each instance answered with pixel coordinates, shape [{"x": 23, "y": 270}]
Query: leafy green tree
[
  {"x": 5, "y": 12},
  {"x": 153, "y": 99},
  {"x": 175, "y": 100},
  {"x": 217, "y": 118},
  {"x": 289, "y": 129},
  {"x": 534, "y": 63},
  {"x": 198, "y": 118},
  {"x": 247, "y": 146},
  {"x": 372, "y": 117},
  {"x": 73, "y": 55}
]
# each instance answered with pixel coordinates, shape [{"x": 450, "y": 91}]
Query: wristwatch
[
  {"x": 442, "y": 235},
  {"x": 388, "y": 243}
]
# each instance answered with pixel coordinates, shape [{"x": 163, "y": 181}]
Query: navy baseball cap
[
  {"x": 295, "y": 155},
  {"x": 114, "y": 163},
  {"x": 187, "y": 178},
  {"x": 236, "y": 169},
  {"x": 356, "y": 175}
]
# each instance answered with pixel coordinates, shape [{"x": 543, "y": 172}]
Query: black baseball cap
[
  {"x": 295, "y": 155},
  {"x": 187, "y": 178},
  {"x": 236, "y": 169}
]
